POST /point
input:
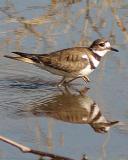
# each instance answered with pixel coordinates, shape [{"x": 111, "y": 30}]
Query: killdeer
[{"x": 70, "y": 63}]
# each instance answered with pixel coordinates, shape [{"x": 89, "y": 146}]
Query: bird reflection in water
[{"x": 72, "y": 108}]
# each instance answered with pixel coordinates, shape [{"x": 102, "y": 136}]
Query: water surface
[{"x": 33, "y": 111}]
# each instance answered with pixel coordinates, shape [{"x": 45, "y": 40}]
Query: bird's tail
[{"x": 28, "y": 58}]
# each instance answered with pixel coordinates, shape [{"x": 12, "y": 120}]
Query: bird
[{"x": 70, "y": 63}]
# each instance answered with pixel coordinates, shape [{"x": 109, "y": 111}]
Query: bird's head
[{"x": 101, "y": 47}]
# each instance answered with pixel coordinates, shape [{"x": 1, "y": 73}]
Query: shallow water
[{"x": 33, "y": 111}]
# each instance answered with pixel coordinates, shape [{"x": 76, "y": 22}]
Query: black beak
[{"x": 113, "y": 49}]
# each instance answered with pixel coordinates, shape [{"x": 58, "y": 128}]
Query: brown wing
[{"x": 68, "y": 60}]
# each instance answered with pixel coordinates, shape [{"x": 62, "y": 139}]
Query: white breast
[
  {"x": 86, "y": 71},
  {"x": 95, "y": 61}
]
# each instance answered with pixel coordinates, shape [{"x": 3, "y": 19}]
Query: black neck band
[{"x": 95, "y": 55}]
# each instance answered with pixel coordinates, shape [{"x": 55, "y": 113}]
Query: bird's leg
[
  {"x": 61, "y": 82},
  {"x": 86, "y": 79},
  {"x": 68, "y": 80}
]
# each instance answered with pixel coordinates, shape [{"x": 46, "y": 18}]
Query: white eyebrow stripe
[{"x": 107, "y": 44}]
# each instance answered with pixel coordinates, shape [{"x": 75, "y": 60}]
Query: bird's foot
[
  {"x": 84, "y": 91},
  {"x": 64, "y": 84}
]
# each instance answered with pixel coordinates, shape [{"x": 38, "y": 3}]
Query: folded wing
[{"x": 68, "y": 60}]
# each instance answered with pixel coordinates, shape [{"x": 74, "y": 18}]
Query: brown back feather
[{"x": 69, "y": 60}]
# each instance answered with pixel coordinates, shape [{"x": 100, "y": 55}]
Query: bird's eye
[{"x": 101, "y": 44}]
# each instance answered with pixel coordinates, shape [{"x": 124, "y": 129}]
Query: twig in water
[{"x": 25, "y": 149}]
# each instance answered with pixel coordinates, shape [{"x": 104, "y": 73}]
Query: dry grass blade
[
  {"x": 118, "y": 20},
  {"x": 39, "y": 20}
]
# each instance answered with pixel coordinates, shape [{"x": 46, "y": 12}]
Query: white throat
[{"x": 100, "y": 53}]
